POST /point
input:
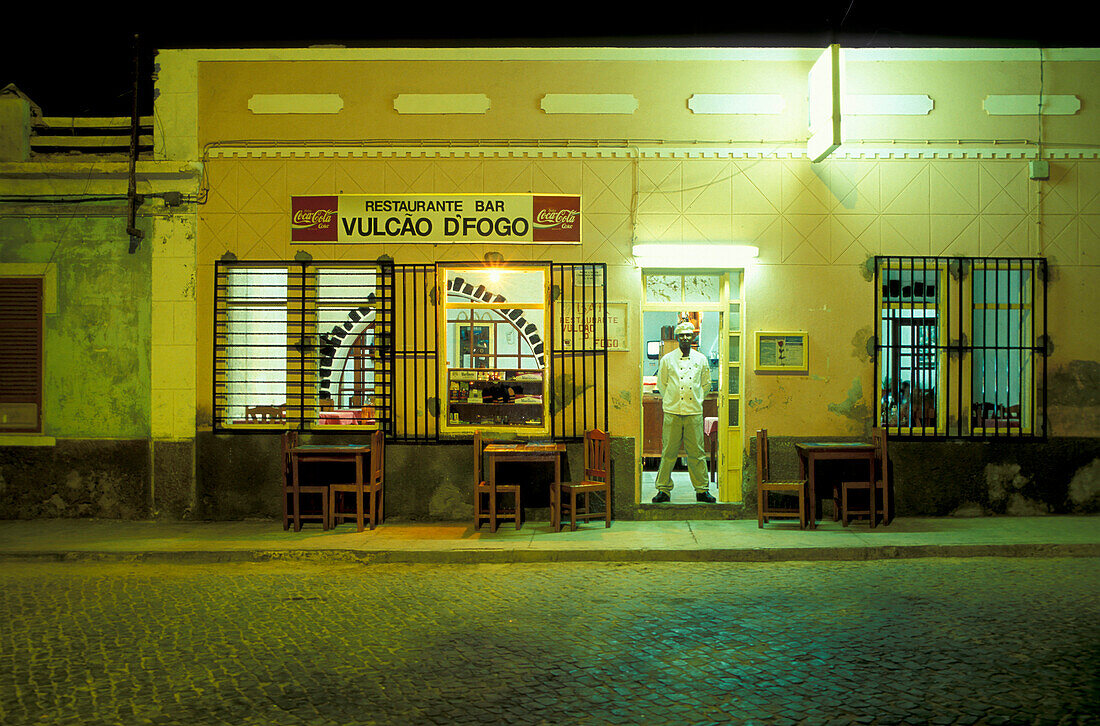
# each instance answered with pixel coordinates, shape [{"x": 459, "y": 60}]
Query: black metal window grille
[
  {"x": 302, "y": 345},
  {"x": 578, "y": 349},
  {"x": 293, "y": 342},
  {"x": 960, "y": 349},
  {"x": 415, "y": 358}
]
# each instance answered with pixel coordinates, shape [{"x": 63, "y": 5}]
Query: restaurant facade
[{"x": 438, "y": 242}]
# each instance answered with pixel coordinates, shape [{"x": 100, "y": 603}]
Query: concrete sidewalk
[{"x": 625, "y": 541}]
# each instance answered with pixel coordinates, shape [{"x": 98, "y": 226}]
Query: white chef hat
[{"x": 684, "y": 327}]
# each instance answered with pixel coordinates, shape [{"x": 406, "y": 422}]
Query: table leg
[
  {"x": 294, "y": 497},
  {"x": 885, "y": 492},
  {"x": 359, "y": 494},
  {"x": 555, "y": 494},
  {"x": 492, "y": 493},
  {"x": 555, "y": 507},
  {"x": 811, "y": 464},
  {"x": 872, "y": 490}
]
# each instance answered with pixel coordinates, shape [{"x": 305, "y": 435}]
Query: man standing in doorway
[{"x": 683, "y": 378}]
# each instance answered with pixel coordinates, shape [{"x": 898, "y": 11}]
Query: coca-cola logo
[
  {"x": 313, "y": 219},
  {"x": 557, "y": 218},
  {"x": 554, "y": 217}
]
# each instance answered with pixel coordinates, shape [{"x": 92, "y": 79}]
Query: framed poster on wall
[{"x": 786, "y": 352}]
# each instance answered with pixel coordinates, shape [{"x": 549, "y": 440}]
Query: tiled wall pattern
[{"x": 836, "y": 212}]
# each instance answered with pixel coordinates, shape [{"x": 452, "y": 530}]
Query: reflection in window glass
[
  {"x": 1002, "y": 327},
  {"x": 664, "y": 288},
  {"x": 257, "y": 338},
  {"x": 495, "y": 347},
  {"x": 346, "y": 315},
  {"x": 494, "y": 285},
  {"x": 701, "y": 288},
  {"x": 495, "y": 339}
]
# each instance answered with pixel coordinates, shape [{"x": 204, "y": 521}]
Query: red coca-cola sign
[
  {"x": 313, "y": 219},
  {"x": 556, "y": 219}
]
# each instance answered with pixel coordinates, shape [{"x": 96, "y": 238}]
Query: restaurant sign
[
  {"x": 589, "y": 326},
  {"x": 410, "y": 218}
]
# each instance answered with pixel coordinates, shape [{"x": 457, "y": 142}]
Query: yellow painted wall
[{"x": 957, "y": 183}]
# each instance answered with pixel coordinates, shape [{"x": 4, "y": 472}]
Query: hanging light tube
[{"x": 700, "y": 256}]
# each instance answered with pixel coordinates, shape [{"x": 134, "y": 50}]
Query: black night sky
[{"x": 82, "y": 64}]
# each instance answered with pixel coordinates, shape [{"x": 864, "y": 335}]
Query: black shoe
[
  {"x": 661, "y": 497},
  {"x": 705, "y": 497}
]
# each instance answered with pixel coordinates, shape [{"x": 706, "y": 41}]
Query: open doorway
[
  {"x": 657, "y": 327},
  {"x": 714, "y": 302}
]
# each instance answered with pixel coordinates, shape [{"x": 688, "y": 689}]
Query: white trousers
[{"x": 688, "y": 431}]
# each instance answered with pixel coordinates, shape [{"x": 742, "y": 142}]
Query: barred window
[
  {"x": 301, "y": 345},
  {"x": 494, "y": 327},
  {"x": 350, "y": 346},
  {"x": 960, "y": 350}
]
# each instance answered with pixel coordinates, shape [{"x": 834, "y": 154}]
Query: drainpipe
[{"x": 136, "y": 234}]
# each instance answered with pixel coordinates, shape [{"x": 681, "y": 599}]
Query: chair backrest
[
  {"x": 477, "y": 458},
  {"x": 762, "y": 472},
  {"x": 597, "y": 455},
  {"x": 377, "y": 456},
  {"x": 878, "y": 438}
]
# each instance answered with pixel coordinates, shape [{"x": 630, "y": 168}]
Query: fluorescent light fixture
[
  {"x": 825, "y": 91},
  {"x": 699, "y": 256}
]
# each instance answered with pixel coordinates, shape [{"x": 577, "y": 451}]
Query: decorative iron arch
[
  {"x": 336, "y": 345},
  {"x": 529, "y": 331}
]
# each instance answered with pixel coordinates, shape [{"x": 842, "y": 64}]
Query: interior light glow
[{"x": 700, "y": 256}]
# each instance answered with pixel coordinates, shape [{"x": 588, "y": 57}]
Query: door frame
[{"x": 730, "y": 439}]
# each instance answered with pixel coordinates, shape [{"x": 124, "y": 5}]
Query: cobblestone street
[{"x": 943, "y": 641}]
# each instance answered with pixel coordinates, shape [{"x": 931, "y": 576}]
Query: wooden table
[
  {"x": 312, "y": 453},
  {"x": 812, "y": 452},
  {"x": 495, "y": 453}
]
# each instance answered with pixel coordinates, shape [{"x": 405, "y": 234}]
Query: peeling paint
[
  {"x": 1075, "y": 384},
  {"x": 867, "y": 270},
  {"x": 433, "y": 406},
  {"x": 853, "y": 407},
  {"x": 757, "y": 404},
  {"x": 566, "y": 390},
  {"x": 1003, "y": 480},
  {"x": 968, "y": 509},
  {"x": 447, "y": 500},
  {"x": 1084, "y": 488},
  {"x": 1021, "y": 506},
  {"x": 863, "y": 344}
]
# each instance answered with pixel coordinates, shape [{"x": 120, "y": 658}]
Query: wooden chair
[
  {"x": 875, "y": 498},
  {"x": 765, "y": 510},
  {"x": 597, "y": 480},
  {"x": 487, "y": 504},
  {"x": 292, "y": 496},
  {"x": 366, "y": 500}
]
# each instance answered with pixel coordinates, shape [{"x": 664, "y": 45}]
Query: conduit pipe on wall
[{"x": 132, "y": 196}]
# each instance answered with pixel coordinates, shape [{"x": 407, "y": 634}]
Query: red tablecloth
[{"x": 344, "y": 418}]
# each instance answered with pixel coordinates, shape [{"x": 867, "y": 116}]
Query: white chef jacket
[{"x": 683, "y": 382}]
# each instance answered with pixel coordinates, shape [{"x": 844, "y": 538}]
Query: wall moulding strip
[
  {"x": 850, "y": 152},
  {"x": 295, "y": 103}
]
